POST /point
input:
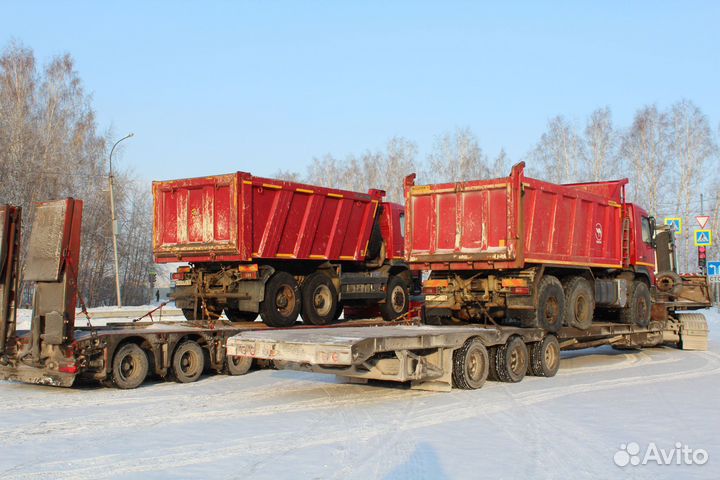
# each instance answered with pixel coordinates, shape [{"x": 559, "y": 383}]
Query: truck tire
[
  {"x": 470, "y": 365},
  {"x": 397, "y": 299},
  {"x": 544, "y": 357},
  {"x": 579, "y": 303},
  {"x": 237, "y": 365},
  {"x": 639, "y": 306},
  {"x": 130, "y": 366},
  {"x": 319, "y": 299},
  {"x": 551, "y": 304},
  {"x": 281, "y": 305},
  {"x": 236, "y": 315},
  {"x": 511, "y": 360},
  {"x": 188, "y": 362}
]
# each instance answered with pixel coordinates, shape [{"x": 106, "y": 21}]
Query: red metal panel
[
  {"x": 238, "y": 217},
  {"x": 196, "y": 216},
  {"x": 460, "y": 222},
  {"x": 514, "y": 221}
]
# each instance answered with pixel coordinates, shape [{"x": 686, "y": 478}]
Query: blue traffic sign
[
  {"x": 713, "y": 269},
  {"x": 675, "y": 222},
  {"x": 703, "y": 238}
]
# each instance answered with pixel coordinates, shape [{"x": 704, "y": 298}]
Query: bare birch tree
[
  {"x": 645, "y": 151},
  {"x": 601, "y": 144},
  {"x": 457, "y": 156},
  {"x": 558, "y": 155}
]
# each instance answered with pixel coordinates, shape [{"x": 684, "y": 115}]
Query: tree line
[{"x": 50, "y": 148}]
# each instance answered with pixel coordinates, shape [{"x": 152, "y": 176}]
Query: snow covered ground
[{"x": 285, "y": 424}]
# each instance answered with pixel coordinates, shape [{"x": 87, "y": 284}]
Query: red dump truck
[
  {"x": 277, "y": 248},
  {"x": 524, "y": 252}
]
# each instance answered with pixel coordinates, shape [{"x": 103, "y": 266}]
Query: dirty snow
[{"x": 286, "y": 424}]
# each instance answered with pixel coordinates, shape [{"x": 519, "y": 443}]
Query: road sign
[
  {"x": 674, "y": 222},
  {"x": 713, "y": 269},
  {"x": 703, "y": 238},
  {"x": 702, "y": 220}
]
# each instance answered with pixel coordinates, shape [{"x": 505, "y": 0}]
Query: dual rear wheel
[
  {"x": 473, "y": 363},
  {"x": 318, "y": 300}
]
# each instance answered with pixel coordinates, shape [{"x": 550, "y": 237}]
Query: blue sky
[{"x": 213, "y": 87}]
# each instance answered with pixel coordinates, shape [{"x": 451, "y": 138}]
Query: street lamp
[{"x": 114, "y": 222}]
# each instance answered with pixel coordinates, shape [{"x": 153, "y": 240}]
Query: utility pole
[{"x": 114, "y": 223}]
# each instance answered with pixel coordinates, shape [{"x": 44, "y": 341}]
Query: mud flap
[{"x": 693, "y": 331}]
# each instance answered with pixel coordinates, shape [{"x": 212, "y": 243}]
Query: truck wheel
[
  {"x": 397, "y": 299},
  {"x": 188, "y": 362},
  {"x": 281, "y": 305},
  {"x": 544, "y": 357},
  {"x": 236, "y": 315},
  {"x": 511, "y": 361},
  {"x": 470, "y": 365},
  {"x": 319, "y": 299},
  {"x": 237, "y": 365},
  {"x": 638, "y": 309},
  {"x": 130, "y": 366},
  {"x": 579, "y": 303},
  {"x": 551, "y": 304}
]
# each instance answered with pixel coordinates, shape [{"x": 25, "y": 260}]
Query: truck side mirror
[{"x": 653, "y": 238}]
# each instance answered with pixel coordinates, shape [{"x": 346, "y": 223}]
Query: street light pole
[{"x": 114, "y": 223}]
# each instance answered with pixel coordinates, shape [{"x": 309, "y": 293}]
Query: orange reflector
[
  {"x": 520, "y": 290},
  {"x": 514, "y": 282},
  {"x": 248, "y": 268},
  {"x": 435, "y": 283},
  {"x": 184, "y": 269}
]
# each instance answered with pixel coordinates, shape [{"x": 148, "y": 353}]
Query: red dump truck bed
[
  {"x": 513, "y": 221},
  {"x": 240, "y": 217}
]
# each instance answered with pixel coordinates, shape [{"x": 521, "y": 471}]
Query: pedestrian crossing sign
[
  {"x": 674, "y": 222},
  {"x": 703, "y": 238}
]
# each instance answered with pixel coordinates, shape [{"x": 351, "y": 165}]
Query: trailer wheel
[
  {"x": 130, "y": 366},
  {"x": 397, "y": 299},
  {"x": 638, "y": 309},
  {"x": 281, "y": 305},
  {"x": 579, "y": 303},
  {"x": 319, "y": 299},
  {"x": 237, "y": 315},
  {"x": 551, "y": 304},
  {"x": 511, "y": 360},
  {"x": 188, "y": 362},
  {"x": 470, "y": 365},
  {"x": 237, "y": 365},
  {"x": 544, "y": 357}
]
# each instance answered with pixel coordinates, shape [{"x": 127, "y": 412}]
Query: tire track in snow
[{"x": 461, "y": 408}]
